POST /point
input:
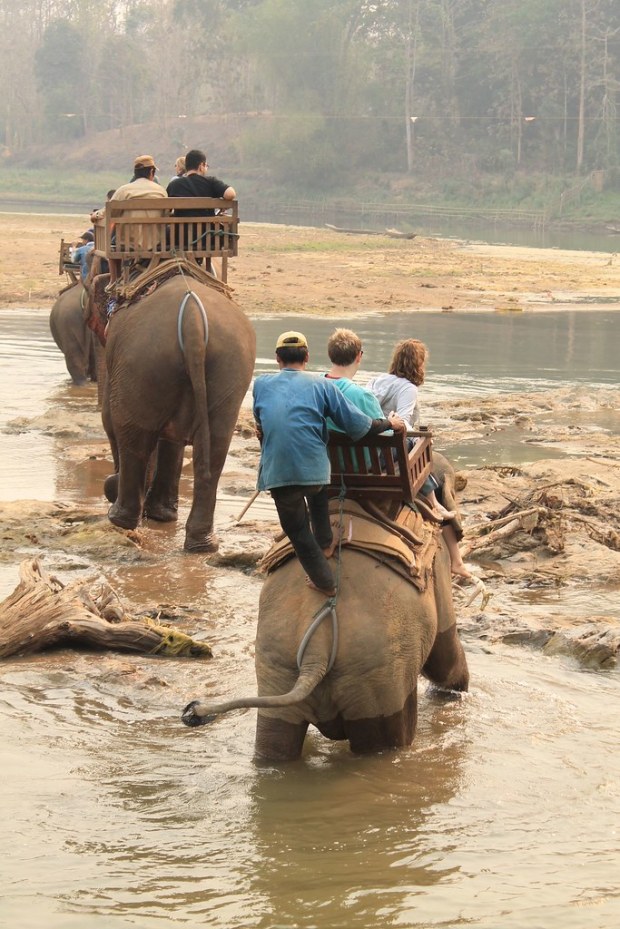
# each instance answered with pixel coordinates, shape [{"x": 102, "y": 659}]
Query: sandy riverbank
[{"x": 299, "y": 270}]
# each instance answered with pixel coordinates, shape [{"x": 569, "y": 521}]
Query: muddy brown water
[{"x": 504, "y": 812}]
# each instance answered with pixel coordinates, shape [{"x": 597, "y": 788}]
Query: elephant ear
[{"x": 95, "y": 314}]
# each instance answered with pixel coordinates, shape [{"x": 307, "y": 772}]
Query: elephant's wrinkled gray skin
[
  {"x": 389, "y": 634},
  {"x": 158, "y": 398},
  {"x": 72, "y": 336}
]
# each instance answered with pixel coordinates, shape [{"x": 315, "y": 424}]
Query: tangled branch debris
[{"x": 42, "y": 612}]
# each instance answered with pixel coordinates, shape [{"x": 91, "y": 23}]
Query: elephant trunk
[{"x": 197, "y": 713}]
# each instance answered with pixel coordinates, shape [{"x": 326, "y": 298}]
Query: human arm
[
  {"x": 404, "y": 399},
  {"x": 351, "y": 419},
  {"x": 258, "y": 428},
  {"x": 381, "y": 425}
]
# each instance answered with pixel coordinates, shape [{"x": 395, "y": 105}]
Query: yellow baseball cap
[{"x": 292, "y": 340}]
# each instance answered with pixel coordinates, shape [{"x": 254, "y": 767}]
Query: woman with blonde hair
[
  {"x": 179, "y": 167},
  {"x": 397, "y": 391}
]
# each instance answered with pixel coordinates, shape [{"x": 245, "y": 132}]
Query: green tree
[{"x": 60, "y": 67}]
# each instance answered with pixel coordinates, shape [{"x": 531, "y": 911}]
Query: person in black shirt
[{"x": 197, "y": 183}]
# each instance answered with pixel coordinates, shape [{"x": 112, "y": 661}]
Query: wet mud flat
[{"x": 543, "y": 535}]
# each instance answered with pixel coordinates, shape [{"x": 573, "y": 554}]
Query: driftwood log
[
  {"x": 392, "y": 233},
  {"x": 42, "y": 612}
]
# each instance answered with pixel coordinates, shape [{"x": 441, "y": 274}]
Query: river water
[{"x": 504, "y": 812}]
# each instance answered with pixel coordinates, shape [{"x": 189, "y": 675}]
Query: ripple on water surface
[{"x": 137, "y": 820}]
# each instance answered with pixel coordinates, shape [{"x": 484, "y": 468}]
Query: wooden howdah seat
[
  {"x": 379, "y": 467},
  {"x": 147, "y": 229},
  {"x": 66, "y": 265}
]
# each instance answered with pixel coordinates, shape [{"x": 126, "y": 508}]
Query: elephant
[
  {"x": 178, "y": 366},
  {"x": 72, "y": 336},
  {"x": 389, "y": 632}
]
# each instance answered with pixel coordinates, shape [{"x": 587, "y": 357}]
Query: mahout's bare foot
[
  {"x": 336, "y": 539},
  {"x": 326, "y": 593}
]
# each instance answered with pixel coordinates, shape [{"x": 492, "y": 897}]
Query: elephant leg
[
  {"x": 162, "y": 498},
  {"x": 199, "y": 534},
  {"x": 76, "y": 357},
  {"x": 110, "y": 487},
  {"x": 126, "y": 511},
  {"x": 384, "y": 732},
  {"x": 446, "y": 666},
  {"x": 92, "y": 358},
  {"x": 277, "y": 740},
  {"x": 77, "y": 373}
]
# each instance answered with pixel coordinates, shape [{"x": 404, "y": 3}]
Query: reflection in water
[{"x": 344, "y": 837}]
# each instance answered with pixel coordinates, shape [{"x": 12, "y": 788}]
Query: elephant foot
[
  {"x": 207, "y": 543},
  {"x": 110, "y": 488},
  {"x": 122, "y": 519},
  {"x": 161, "y": 512}
]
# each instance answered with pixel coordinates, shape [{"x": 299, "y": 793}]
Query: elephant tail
[
  {"x": 198, "y": 713},
  {"x": 193, "y": 347}
]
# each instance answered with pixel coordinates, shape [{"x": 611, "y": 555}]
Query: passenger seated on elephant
[
  {"x": 142, "y": 184},
  {"x": 96, "y": 214},
  {"x": 80, "y": 253},
  {"x": 398, "y": 390},
  {"x": 345, "y": 353},
  {"x": 291, "y": 410},
  {"x": 195, "y": 182}
]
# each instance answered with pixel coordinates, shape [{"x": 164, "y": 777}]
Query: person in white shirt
[{"x": 397, "y": 391}]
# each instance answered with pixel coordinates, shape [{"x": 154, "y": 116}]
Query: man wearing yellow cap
[
  {"x": 142, "y": 184},
  {"x": 291, "y": 410}
]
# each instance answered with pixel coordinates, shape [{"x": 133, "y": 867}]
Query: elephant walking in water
[
  {"x": 72, "y": 336},
  {"x": 178, "y": 367},
  {"x": 389, "y": 632}
]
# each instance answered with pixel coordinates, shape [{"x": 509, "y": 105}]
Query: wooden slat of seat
[
  {"x": 165, "y": 234},
  {"x": 394, "y": 473},
  {"x": 375, "y": 460}
]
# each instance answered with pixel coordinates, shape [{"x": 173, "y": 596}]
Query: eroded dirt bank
[{"x": 543, "y": 536}]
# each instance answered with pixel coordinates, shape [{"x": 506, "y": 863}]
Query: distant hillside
[
  {"x": 73, "y": 176},
  {"x": 115, "y": 149}
]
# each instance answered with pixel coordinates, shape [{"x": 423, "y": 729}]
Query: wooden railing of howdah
[
  {"x": 150, "y": 229},
  {"x": 380, "y": 466}
]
